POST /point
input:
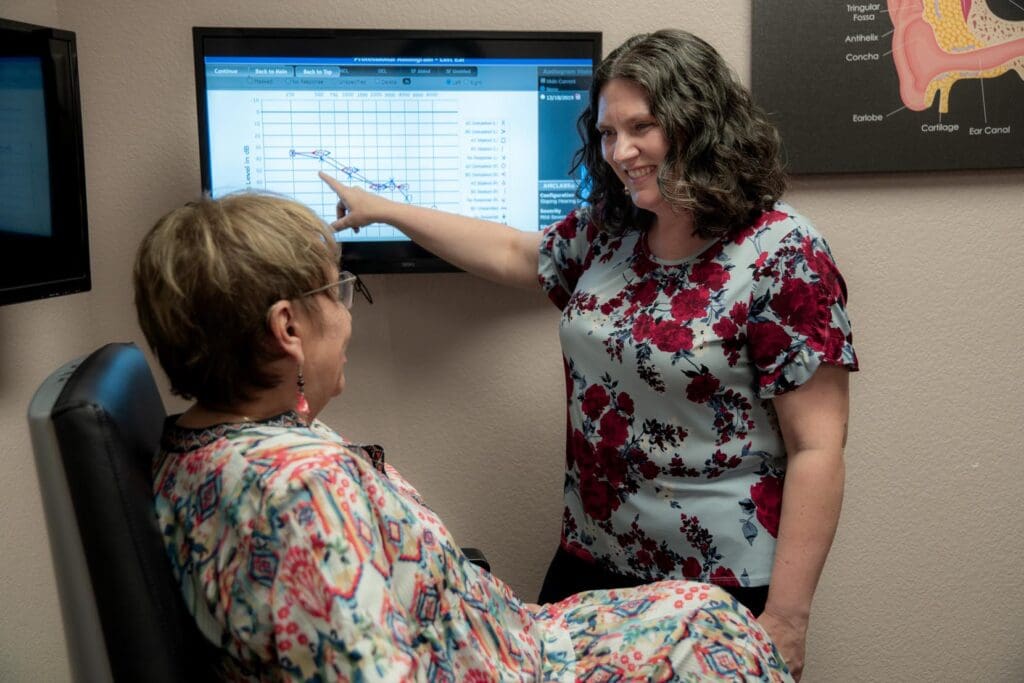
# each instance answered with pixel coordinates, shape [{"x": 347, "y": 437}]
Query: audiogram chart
[
  {"x": 352, "y": 173},
  {"x": 404, "y": 149},
  {"x": 455, "y": 151}
]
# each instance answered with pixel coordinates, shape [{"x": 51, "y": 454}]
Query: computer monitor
[
  {"x": 481, "y": 123},
  {"x": 44, "y": 245}
]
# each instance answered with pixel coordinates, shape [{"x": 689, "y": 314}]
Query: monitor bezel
[
  {"x": 33, "y": 267},
  {"x": 384, "y": 256}
]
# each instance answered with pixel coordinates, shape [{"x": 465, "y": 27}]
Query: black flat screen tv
[
  {"x": 44, "y": 244},
  {"x": 481, "y": 123}
]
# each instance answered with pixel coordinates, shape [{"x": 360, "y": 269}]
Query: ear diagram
[{"x": 936, "y": 43}]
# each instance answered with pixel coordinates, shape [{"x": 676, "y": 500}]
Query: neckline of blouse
[{"x": 644, "y": 251}]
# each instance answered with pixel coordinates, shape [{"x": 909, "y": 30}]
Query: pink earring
[{"x": 301, "y": 404}]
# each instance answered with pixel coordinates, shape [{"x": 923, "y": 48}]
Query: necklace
[{"x": 212, "y": 416}]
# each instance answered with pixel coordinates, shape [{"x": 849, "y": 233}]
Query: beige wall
[{"x": 463, "y": 382}]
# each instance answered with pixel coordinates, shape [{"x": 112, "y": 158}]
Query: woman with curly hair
[{"x": 705, "y": 337}]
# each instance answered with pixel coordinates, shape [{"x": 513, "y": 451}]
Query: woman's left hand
[{"x": 790, "y": 637}]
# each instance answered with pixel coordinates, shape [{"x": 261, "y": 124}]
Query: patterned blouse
[
  {"x": 674, "y": 459},
  {"x": 305, "y": 558}
]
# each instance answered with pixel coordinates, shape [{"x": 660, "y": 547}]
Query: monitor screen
[
  {"x": 481, "y": 124},
  {"x": 24, "y": 152},
  {"x": 43, "y": 232}
]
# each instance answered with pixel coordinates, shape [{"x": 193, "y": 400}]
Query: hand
[
  {"x": 356, "y": 207},
  {"x": 790, "y": 637}
]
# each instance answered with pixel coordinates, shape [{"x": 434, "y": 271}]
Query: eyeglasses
[{"x": 346, "y": 285}]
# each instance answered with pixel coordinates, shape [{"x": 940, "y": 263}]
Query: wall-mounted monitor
[
  {"x": 477, "y": 123},
  {"x": 44, "y": 245}
]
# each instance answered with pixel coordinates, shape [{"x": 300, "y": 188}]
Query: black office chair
[{"x": 95, "y": 425}]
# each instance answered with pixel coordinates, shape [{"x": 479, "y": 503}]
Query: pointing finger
[
  {"x": 342, "y": 224},
  {"x": 332, "y": 183}
]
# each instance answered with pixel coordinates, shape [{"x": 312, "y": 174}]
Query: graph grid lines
[{"x": 406, "y": 150}]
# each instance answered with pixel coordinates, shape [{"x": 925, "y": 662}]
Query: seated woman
[{"x": 305, "y": 557}]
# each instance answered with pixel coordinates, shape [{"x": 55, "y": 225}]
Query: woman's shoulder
[
  {"x": 300, "y": 447},
  {"x": 783, "y": 222},
  {"x": 248, "y": 436},
  {"x": 776, "y": 232},
  {"x": 577, "y": 225},
  {"x": 273, "y": 450}
]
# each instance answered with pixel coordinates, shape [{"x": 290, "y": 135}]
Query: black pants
[{"x": 568, "y": 575}]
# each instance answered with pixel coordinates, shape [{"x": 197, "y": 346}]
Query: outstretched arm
[
  {"x": 813, "y": 420},
  {"x": 490, "y": 250}
]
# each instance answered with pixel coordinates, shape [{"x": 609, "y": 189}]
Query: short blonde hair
[{"x": 205, "y": 277}]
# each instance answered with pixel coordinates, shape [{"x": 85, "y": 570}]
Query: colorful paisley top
[
  {"x": 307, "y": 559},
  {"x": 674, "y": 459}
]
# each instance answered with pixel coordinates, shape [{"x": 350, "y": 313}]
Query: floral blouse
[
  {"x": 305, "y": 558},
  {"x": 674, "y": 459}
]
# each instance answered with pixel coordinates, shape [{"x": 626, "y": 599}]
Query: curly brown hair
[
  {"x": 723, "y": 162},
  {"x": 205, "y": 276}
]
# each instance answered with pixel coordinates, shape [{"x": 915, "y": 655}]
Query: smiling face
[{"x": 633, "y": 143}]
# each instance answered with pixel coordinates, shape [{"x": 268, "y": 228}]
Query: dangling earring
[{"x": 301, "y": 404}]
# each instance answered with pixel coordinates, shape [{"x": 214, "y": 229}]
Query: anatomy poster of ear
[{"x": 898, "y": 85}]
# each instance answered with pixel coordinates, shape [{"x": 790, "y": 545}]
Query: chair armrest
[{"x": 476, "y": 556}]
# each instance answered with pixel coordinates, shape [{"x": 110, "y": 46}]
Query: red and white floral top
[{"x": 674, "y": 460}]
